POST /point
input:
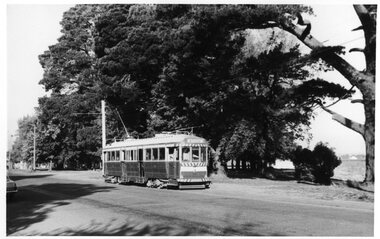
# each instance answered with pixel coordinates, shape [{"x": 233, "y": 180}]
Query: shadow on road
[
  {"x": 138, "y": 228},
  {"x": 33, "y": 203},
  {"x": 128, "y": 228},
  {"x": 31, "y": 176}
]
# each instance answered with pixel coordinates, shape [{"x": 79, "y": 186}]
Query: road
[{"x": 59, "y": 204}]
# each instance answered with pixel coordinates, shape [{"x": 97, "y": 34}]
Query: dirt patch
[{"x": 339, "y": 190}]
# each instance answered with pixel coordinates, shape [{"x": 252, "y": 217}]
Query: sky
[{"x": 32, "y": 28}]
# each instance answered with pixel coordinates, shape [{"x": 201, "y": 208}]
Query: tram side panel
[
  {"x": 156, "y": 170},
  {"x": 130, "y": 171},
  {"x": 173, "y": 169},
  {"x": 112, "y": 169}
]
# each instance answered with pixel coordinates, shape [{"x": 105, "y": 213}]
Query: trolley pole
[{"x": 103, "y": 130}]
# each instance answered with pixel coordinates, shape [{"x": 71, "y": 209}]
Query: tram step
[{"x": 191, "y": 186}]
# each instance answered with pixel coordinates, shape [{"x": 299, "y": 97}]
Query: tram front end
[{"x": 193, "y": 167}]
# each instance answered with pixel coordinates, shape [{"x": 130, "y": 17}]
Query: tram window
[
  {"x": 173, "y": 153},
  {"x": 195, "y": 151},
  {"x": 147, "y": 154},
  {"x": 155, "y": 154},
  {"x": 132, "y": 156},
  {"x": 186, "y": 154},
  {"x": 113, "y": 156},
  {"x": 117, "y": 157},
  {"x": 127, "y": 155},
  {"x": 203, "y": 154},
  {"x": 162, "y": 153},
  {"x": 140, "y": 155}
]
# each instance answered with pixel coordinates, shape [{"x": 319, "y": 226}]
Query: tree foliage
[
  {"x": 23, "y": 147},
  {"x": 166, "y": 67}
]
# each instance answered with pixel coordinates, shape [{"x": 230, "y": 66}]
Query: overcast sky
[{"x": 32, "y": 28}]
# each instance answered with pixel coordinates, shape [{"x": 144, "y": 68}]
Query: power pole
[
  {"x": 103, "y": 131},
  {"x": 34, "y": 148}
]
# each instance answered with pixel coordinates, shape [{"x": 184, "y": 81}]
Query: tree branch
[
  {"x": 367, "y": 17},
  {"x": 347, "y": 70},
  {"x": 359, "y": 128},
  {"x": 357, "y": 101},
  {"x": 358, "y": 28},
  {"x": 356, "y": 49},
  {"x": 363, "y": 15}
]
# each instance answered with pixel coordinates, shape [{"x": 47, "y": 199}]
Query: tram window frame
[
  {"x": 135, "y": 154},
  {"x": 148, "y": 154},
  {"x": 203, "y": 152},
  {"x": 193, "y": 149},
  {"x": 188, "y": 153},
  {"x": 161, "y": 154},
  {"x": 106, "y": 156},
  {"x": 154, "y": 154},
  {"x": 174, "y": 153}
]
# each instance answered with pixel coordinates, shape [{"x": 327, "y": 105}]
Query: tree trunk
[
  {"x": 216, "y": 164},
  {"x": 369, "y": 137},
  {"x": 237, "y": 164},
  {"x": 363, "y": 80},
  {"x": 244, "y": 165}
]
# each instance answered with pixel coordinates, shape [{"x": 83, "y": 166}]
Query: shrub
[
  {"x": 325, "y": 163},
  {"x": 317, "y": 165}
]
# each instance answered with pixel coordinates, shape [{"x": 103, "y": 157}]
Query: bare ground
[{"x": 338, "y": 191}]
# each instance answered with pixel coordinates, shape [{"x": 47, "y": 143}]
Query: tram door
[{"x": 141, "y": 165}]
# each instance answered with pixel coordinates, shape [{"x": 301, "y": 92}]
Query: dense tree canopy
[{"x": 167, "y": 67}]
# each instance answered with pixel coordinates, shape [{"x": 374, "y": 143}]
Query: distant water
[
  {"x": 350, "y": 170},
  {"x": 283, "y": 164}
]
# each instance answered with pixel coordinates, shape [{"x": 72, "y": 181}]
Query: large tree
[
  {"x": 163, "y": 67},
  {"x": 248, "y": 106},
  {"x": 363, "y": 80}
]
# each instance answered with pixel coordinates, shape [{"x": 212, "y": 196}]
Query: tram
[{"x": 175, "y": 159}]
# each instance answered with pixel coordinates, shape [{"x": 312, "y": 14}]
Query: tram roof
[{"x": 159, "y": 139}]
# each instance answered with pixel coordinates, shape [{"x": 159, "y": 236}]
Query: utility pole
[
  {"x": 10, "y": 153},
  {"x": 34, "y": 148},
  {"x": 103, "y": 131}
]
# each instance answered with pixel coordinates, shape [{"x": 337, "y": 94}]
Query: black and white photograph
[{"x": 189, "y": 118}]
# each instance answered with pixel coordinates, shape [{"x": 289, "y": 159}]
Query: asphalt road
[{"x": 51, "y": 204}]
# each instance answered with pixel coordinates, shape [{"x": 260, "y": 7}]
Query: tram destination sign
[{"x": 195, "y": 141}]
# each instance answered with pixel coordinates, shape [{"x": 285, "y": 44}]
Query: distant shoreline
[{"x": 353, "y": 159}]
